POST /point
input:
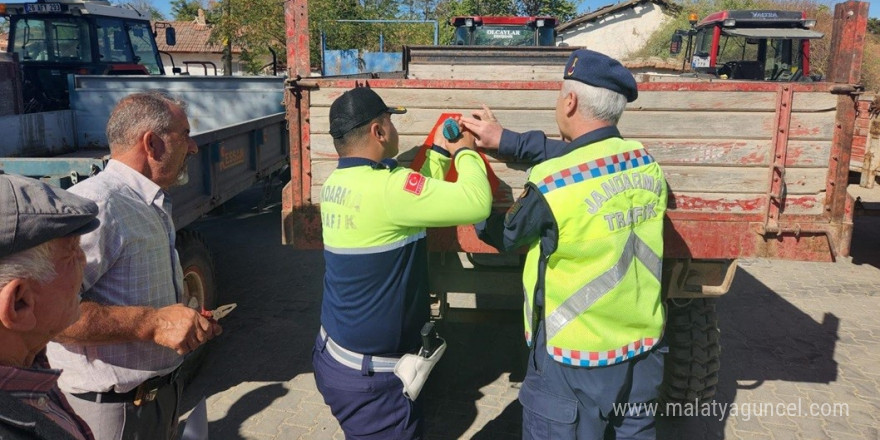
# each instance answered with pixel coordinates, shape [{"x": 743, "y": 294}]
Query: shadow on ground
[
  {"x": 269, "y": 336},
  {"x": 866, "y": 238},
  {"x": 483, "y": 346},
  {"x": 764, "y": 338}
]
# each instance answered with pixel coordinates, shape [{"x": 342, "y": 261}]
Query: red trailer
[{"x": 755, "y": 169}]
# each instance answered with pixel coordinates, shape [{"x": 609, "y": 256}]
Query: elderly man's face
[
  {"x": 57, "y": 302},
  {"x": 178, "y": 147}
]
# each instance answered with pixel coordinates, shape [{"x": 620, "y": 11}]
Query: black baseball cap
[{"x": 356, "y": 107}]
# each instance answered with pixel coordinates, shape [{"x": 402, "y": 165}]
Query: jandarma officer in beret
[
  {"x": 375, "y": 302},
  {"x": 592, "y": 216}
]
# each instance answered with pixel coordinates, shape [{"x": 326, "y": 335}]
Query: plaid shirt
[
  {"x": 38, "y": 387},
  {"x": 131, "y": 260}
]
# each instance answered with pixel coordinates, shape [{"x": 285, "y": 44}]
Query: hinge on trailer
[
  {"x": 776, "y": 191},
  {"x": 847, "y": 89},
  {"x": 292, "y": 84}
]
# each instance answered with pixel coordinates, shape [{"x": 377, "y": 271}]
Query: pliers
[{"x": 219, "y": 312}]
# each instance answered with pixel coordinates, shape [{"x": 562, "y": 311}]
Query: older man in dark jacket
[{"x": 41, "y": 271}]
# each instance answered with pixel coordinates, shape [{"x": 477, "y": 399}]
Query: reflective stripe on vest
[
  {"x": 599, "y": 167},
  {"x": 376, "y": 249},
  {"x": 601, "y": 285},
  {"x": 601, "y": 306}
]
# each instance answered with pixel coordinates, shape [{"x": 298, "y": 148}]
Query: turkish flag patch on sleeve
[{"x": 415, "y": 183}]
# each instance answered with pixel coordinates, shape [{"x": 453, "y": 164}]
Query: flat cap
[
  {"x": 356, "y": 107},
  {"x": 32, "y": 213},
  {"x": 600, "y": 70}
]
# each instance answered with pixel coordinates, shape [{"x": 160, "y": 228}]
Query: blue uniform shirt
[{"x": 373, "y": 217}]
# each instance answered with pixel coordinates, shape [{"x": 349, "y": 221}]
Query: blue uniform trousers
[
  {"x": 368, "y": 405},
  {"x": 566, "y": 402}
]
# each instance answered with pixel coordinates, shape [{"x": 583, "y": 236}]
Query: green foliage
[
  {"x": 185, "y": 10},
  {"x": 562, "y": 9},
  {"x": 254, "y": 26},
  {"x": 874, "y": 26}
]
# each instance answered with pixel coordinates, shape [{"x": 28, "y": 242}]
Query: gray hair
[
  {"x": 137, "y": 114},
  {"x": 33, "y": 264},
  {"x": 602, "y": 104}
]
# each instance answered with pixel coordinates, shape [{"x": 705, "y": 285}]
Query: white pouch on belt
[{"x": 413, "y": 371}]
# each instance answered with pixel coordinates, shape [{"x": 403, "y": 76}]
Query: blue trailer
[{"x": 238, "y": 123}]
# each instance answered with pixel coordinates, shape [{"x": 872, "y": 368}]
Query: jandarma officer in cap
[
  {"x": 41, "y": 272},
  {"x": 374, "y": 216},
  {"x": 592, "y": 218}
]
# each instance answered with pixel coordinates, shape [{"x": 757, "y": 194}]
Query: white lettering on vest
[
  {"x": 631, "y": 217},
  {"x": 620, "y": 183},
  {"x": 343, "y": 196}
]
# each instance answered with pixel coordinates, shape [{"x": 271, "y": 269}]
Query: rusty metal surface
[
  {"x": 776, "y": 192},
  {"x": 847, "y": 42},
  {"x": 733, "y": 86},
  {"x": 338, "y": 82},
  {"x": 302, "y": 227},
  {"x": 693, "y": 86},
  {"x": 296, "y": 20},
  {"x": 838, "y": 172}
]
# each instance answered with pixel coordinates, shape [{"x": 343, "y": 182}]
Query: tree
[
  {"x": 561, "y": 9},
  {"x": 253, "y": 26},
  {"x": 185, "y": 10},
  {"x": 144, "y": 7},
  {"x": 874, "y": 26}
]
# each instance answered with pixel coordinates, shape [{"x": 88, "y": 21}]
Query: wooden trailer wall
[
  {"x": 866, "y": 141},
  {"x": 747, "y": 163}
]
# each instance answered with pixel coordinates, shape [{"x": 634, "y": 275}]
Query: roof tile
[{"x": 192, "y": 38}]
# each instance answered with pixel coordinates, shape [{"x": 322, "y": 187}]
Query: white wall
[
  {"x": 197, "y": 69},
  {"x": 619, "y": 33}
]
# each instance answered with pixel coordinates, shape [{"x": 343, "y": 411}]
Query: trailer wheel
[
  {"x": 198, "y": 286},
  {"x": 694, "y": 358}
]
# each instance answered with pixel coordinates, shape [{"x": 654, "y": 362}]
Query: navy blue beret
[{"x": 600, "y": 70}]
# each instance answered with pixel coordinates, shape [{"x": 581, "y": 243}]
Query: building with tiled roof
[
  {"x": 192, "y": 53},
  {"x": 617, "y": 30}
]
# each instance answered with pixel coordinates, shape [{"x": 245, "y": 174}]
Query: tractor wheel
[
  {"x": 694, "y": 358},
  {"x": 199, "y": 289}
]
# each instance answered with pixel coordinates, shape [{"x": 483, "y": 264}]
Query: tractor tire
[
  {"x": 199, "y": 289},
  {"x": 694, "y": 358}
]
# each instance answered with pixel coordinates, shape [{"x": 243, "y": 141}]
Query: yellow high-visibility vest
[{"x": 602, "y": 300}]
